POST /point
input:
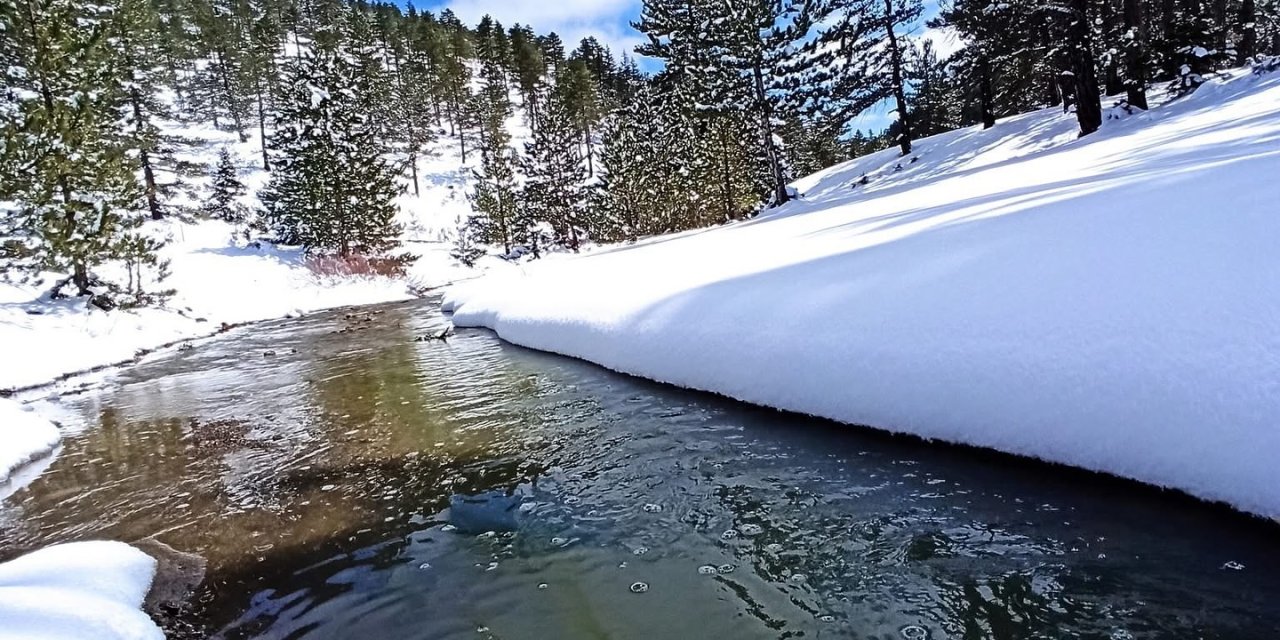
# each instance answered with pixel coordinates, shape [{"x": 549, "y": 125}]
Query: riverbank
[{"x": 1106, "y": 303}]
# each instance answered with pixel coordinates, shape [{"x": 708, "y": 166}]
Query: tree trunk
[
  {"x": 766, "y": 133},
  {"x": 1088, "y": 100},
  {"x": 262, "y": 128},
  {"x": 413, "y": 169},
  {"x": 144, "y": 157},
  {"x": 1248, "y": 31},
  {"x": 899, "y": 91},
  {"x": 230, "y": 96},
  {"x": 1136, "y": 54},
  {"x": 149, "y": 185},
  {"x": 1221, "y": 28},
  {"x": 985, "y": 97}
]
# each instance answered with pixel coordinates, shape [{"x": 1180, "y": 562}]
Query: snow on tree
[
  {"x": 224, "y": 200},
  {"x": 74, "y": 202},
  {"x": 554, "y": 172},
  {"x": 332, "y": 188}
]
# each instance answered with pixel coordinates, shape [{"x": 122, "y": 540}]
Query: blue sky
[{"x": 608, "y": 20}]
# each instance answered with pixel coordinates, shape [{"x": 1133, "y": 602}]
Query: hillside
[{"x": 1105, "y": 302}]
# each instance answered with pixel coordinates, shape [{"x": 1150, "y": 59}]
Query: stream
[{"x": 342, "y": 480}]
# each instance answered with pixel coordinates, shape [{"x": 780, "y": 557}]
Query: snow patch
[
  {"x": 77, "y": 590},
  {"x": 24, "y": 436}
]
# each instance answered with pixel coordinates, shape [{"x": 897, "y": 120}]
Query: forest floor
[{"x": 1107, "y": 302}]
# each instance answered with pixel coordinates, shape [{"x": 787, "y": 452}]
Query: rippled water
[{"x": 343, "y": 480}]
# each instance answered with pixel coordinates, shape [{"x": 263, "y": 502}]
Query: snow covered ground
[
  {"x": 1109, "y": 303},
  {"x": 78, "y": 590},
  {"x": 25, "y": 437}
]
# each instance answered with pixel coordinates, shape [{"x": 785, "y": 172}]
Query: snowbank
[
  {"x": 1109, "y": 303},
  {"x": 24, "y": 436},
  {"x": 78, "y": 590}
]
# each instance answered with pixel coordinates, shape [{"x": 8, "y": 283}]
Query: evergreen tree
[
  {"x": 224, "y": 201},
  {"x": 554, "y": 174},
  {"x": 137, "y": 35},
  {"x": 74, "y": 201},
  {"x": 331, "y": 189},
  {"x": 494, "y": 220}
]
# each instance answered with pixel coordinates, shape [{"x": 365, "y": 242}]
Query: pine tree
[
  {"x": 137, "y": 36},
  {"x": 331, "y": 189},
  {"x": 218, "y": 85},
  {"x": 494, "y": 200},
  {"x": 630, "y": 194},
  {"x": 554, "y": 173},
  {"x": 224, "y": 201},
  {"x": 74, "y": 201}
]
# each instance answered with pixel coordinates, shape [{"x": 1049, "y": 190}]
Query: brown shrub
[{"x": 356, "y": 265}]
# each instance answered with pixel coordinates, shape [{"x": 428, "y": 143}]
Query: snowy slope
[
  {"x": 1108, "y": 303},
  {"x": 77, "y": 591}
]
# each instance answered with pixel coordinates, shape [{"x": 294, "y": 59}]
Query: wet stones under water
[{"x": 359, "y": 482}]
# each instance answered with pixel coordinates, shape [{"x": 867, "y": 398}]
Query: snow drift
[
  {"x": 1109, "y": 303},
  {"x": 78, "y": 590},
  {"x": 24, "y": 436}
]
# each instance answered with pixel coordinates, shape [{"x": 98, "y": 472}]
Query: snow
[
  {"x": 1107, "y": 302},
  {"x": 77, "y": 590},
  {"x": 24, "y": 436}
]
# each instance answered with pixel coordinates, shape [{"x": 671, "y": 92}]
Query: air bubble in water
[
  {"x": 639, "y": 587},
  {"x": 914, "y": 632},
  {"x": 729, "y": 534},
  {"x": 559, "y": 542},
  {"x": 751, "y": 530},
  {"x": 424, "y": 566},
  {"x": 827, "y": 618},
  {"x": 726, "y": 568},
  {"x": 639, "y": 551},
  {"x": 1234, "y": 566},
  {"x": 542, "y": 585},
  {"x": 708, "y": 570},
  {"x": 652, "y": 508}
]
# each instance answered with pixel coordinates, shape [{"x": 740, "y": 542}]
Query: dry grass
[{"x": 355, "y": 265}]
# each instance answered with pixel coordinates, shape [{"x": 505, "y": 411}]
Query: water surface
[{"x": 344, "y": 480}]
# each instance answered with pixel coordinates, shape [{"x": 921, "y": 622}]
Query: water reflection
[{"x": 344, "y": 480}]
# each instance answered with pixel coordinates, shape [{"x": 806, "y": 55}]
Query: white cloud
[{"x": 573, "y": 20}]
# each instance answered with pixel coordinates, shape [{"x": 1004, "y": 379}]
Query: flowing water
[{"x": 343, "y": 480}]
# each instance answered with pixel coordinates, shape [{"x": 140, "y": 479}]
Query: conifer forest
[{"x": 741, "y": 98}]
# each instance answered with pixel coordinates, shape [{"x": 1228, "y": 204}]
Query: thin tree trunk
[
  {"x": 413, "y": 169},
  {"x": 262, "y": 128},
  {"x": 149, "y": 185},
  {"x": 1248, "y": 31},
  {"x": 766, "y": 133},
  {"x": 1135, "y": 54},
  {"x": 1220, "y": 24},
  {"x": 985, "y": 97},
  {"x": 1088, "y": 100},
  {"x": 230, "y": 95},
  {"x": 899, "y": 91}
]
